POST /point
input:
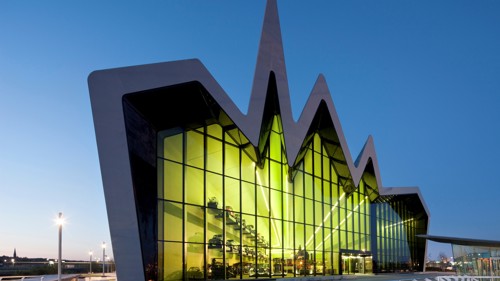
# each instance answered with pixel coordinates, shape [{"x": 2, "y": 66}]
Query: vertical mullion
[
  {"x": 240, "y": 212},
  {"x": 205, "y": 221},
  {"x": 255, "y": 217},
  {"x": 184, "y": 246},
  {"x": 224, "y": 213}
]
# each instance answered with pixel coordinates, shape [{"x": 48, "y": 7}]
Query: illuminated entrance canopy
[{"x": 197, "y": 190}]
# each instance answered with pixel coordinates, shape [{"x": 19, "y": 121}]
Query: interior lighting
[
  {"x": 259, "y": 182},
  {"x": 324, "y": 220},
  {"x": 343, "y": 221},
  {"x": 398, "y": 223}
]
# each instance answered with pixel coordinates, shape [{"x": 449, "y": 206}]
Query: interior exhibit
[{"x": 195, "y": 189}]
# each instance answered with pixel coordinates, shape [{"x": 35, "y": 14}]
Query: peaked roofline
[
  {"x": 271, "y": 58},
  {"x": 108, "y": 87}
]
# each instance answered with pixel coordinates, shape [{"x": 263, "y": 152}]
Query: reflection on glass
[{"x": 227, "y": 217}]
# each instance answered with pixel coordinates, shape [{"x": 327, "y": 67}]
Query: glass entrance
[{"x": 356, "y": 264}]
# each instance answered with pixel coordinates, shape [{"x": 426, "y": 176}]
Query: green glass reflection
[
  {"x": 232, "y": 161},
  {"x": 195, "y": 222},
  {"x": 194, "y": 186},
  {"x": 247, "y": 168},
  {"x": 172, "y": 215},
  {"x": 171, "y": 269},
  {"x": 232, "y": 193},
  {"x": 214, "y": 155},
  {"x": 172, "y": 148},
  {"x": 276, "y": 175},
  {"x": 280, "y": 217},
  {"x": 172, "y": 181},
  {"x": 195, "y": 149},
  {"x": 248, "y": 193}
]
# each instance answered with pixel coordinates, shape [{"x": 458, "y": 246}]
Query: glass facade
[
  {"x": 398, "y": 248},
  {"x": 225, "y": 213},
  {"x": 476, "y": 260}
]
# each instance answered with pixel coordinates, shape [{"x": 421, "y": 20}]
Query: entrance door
[{"x": 351, "y": 264}]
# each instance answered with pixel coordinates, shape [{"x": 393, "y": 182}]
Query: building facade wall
[
  {"x": 222, "y": 214},
  {"x": 195, "y": 189}
]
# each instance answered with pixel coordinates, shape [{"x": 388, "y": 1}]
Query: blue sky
[{"x": 422, "y": 77}]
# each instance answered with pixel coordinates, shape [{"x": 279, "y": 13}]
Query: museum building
[{"x": 195, "y": 189}]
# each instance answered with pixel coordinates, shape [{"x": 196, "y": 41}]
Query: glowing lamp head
[
  {"x": 103, "y": 245},
  {"x": 60, "y": 220}
]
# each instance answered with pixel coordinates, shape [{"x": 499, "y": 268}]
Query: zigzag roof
[
  {"x": 270, "y": 60},
  {"x": 109, "y": 87}
]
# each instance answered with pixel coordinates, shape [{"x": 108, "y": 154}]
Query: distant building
[{"x": 195, "y": 189}]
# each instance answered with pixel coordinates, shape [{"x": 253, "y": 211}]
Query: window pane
[
  {"x": 309, "y": 211},
  {"x": 194, "y": 149},
  {"x": 275, "y": 204},
  {"x": 247, "y": 168},
  {"x": 172, "y": 221},
  {"x": 318, "y": 214},
  {"x": 194, "y": 186},
  {"x": 263, "y": 175},
  {"x": 215, "y": 131},
  {"x": 299, "y": 236},
  {"x": 276, "y": 235},
  {"x": 248, "y": 195},
  {"x": 308, "y": 186},
  {"x": 232, "y": 195},
  {"x": 298, "y": 184},
  {"x": 299, "y": 209},
  {"x": 317, "y": 164},
  {"x": 275, "y": 146},
  {"x": 172, "y": 148},
  {"x": 214, "y": 155},
  {"x": 318, "y": 189},
  {"x": 276, "y": 175},
  {"x": 326, "y": 168},
  {"x": 195, "y": 261},
  {"x": 172, "y": 261},
  {"x": 172, "y": 181},
  {"x": 214, "y": 188},
  {"x": 308, "y": 162},
  {"x": 232, "y": 162},
  {"x": 262, "y": 201},
  {"x": 195, "y": 224}
]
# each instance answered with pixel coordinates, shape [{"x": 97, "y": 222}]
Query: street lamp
[
  {"x": 59, "y": 222},
  {"x": 103, "y": 258},
  {"x": 90, "y": 262},
  {"x": 109, "y": 264}
]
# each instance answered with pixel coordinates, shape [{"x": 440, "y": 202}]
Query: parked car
[
  {"x": 194, "y": 273},
  {"x": 215, "y": 242}
]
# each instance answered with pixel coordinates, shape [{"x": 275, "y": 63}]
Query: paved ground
[
  {"x": 378, "y": 277},
  {"x": 398, "y": 277}
]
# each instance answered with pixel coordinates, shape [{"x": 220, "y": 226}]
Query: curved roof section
[{"x": 462, "y": 241}]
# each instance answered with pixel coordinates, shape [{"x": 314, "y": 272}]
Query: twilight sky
[{"x": 422, "y": 77}]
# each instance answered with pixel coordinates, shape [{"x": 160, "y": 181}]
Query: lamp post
[
  {"x": 109, "y": 264},
  {"x": 90, "y": 261},
  {"x": 103, "y": 258},
  {"x": 59, "y": 222}
]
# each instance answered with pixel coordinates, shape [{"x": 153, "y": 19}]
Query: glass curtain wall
[
  {"x": 395, "y": 233},
  {"x": 475, "y": 260},
  {"x": 221, "y": 215}
]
